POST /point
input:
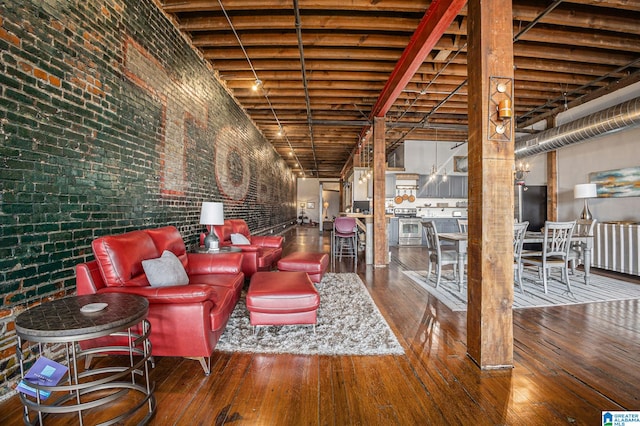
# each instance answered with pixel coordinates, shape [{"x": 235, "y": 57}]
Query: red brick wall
[{"x": 110, "y": 122}]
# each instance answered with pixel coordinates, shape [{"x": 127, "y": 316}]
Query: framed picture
[
  {"x": 460, "y": 164},
  {"x": 311, "y": 205},
  {"x": 617, "y": 183}
]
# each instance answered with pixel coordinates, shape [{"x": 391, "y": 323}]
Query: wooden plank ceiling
[{"x": 324, "y": 63}]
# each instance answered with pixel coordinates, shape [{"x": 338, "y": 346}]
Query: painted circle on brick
[{"x": 232, "y": 168}]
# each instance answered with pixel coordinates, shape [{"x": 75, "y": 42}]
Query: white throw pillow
[
  {"x": 239, "y": 239},
  {"x": 166, "y": 270}
]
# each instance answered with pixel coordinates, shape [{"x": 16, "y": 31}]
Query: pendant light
[{"x": 434, "y": 170}]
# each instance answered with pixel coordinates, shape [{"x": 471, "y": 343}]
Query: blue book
[{"x": 43, "y": 372}]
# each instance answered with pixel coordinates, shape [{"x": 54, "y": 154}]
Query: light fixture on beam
[
  {"x": 500, "y": 108},
  {"x": 256, "y": 85}
]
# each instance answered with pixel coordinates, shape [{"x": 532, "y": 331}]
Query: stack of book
[{"x": 44, "y": 372}]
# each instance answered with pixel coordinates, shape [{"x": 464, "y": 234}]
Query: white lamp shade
[
  {"x": 212, "y": 213},
  {"x": 585, "y": 190}
]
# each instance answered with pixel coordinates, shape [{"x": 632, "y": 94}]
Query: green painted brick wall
[{"x": 110, "y": 122}]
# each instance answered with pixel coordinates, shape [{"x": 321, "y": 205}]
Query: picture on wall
[
  {"x": 617, "y": 183},
  {"x": 311, "y": 205},
  {"x": 460, "y": 164}
]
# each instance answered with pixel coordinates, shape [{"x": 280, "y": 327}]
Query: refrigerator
[{"x": 531, "y": 204}]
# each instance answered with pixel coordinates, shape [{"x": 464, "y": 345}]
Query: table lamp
[
  {"x": 211, "y": 214},
  {"x": 586, "y": 191}
]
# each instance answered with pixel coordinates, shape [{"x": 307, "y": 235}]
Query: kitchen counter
[{"x": 367, "y": 228}]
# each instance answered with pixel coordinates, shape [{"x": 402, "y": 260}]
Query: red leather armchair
[
  {"x": 261, "y": 254},
  {"x": 186, "y": 320}
]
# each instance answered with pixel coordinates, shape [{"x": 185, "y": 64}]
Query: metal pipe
[{"x": 610, "y": 120}]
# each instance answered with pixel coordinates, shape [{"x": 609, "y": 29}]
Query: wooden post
[
  {"x": 380, "y": 243},
  {"x": 552, "y": 177},
  {"x": 491, "y": 165}
]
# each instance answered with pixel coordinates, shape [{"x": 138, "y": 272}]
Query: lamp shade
[
  {"x": 212, "y": 213},
  {"x": 585, "y": 190}
]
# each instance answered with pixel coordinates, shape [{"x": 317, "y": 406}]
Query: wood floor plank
[
  {"x": 333, "y": 400},
  {"x": 212, "y": 403}
]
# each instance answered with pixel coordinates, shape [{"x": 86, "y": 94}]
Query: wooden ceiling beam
[
  {"x": 616, "y": 4},
  {"x": 318, "y": 75},
  {"x": 570, "y": 54},
  {"x": 180, "y": 6},
  {"x": 311, "y": 53},
  {"x": 569, "y": 16},
  {"x": 594, "y": 39},
  {"x": 311, "y": 39},
  {"x": 318, "y": 22},
  {"x": 312, "y": 65}
]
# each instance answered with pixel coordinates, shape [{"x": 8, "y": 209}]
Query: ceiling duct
[{"x": 613, "y": 119}]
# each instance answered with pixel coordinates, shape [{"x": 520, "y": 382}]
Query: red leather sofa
[
  {"x": 261, "y": 254},
  {"x": 186, "y": 320}
]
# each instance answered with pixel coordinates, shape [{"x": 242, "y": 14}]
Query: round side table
[{"x": 109, "y": 324}]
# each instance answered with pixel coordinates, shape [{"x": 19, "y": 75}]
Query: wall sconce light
[
  {"x": 520, "y": 173},
  {"x": 500, "y": 108},
  {"x": 504, "y": 109}
]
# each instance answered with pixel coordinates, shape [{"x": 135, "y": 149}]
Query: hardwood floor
[{"x": 571, "y": 363}]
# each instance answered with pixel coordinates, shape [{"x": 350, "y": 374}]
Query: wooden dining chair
[
  {"x": 555, "y": 251},
  {"x": 584, "y": 227},
  {"x": 519, "y": 231},
  {"x": 437, "y": 256}
]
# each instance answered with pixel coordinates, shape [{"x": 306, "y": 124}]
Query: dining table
[{"x": 460, "y": 241}]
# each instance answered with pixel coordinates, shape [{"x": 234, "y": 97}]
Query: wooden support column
[
  {"x": 552, "y": 178},
  {"x": 552, "y": 185},
  {"x": 380, "y": 243},
  {"x": 491, "y": 162}
]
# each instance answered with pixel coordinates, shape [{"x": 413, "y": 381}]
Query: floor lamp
[{"x": 585, "y": 191}]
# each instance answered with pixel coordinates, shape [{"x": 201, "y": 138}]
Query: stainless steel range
[{"x": 409, "y": 226}]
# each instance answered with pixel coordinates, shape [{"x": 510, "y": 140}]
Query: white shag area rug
[
  {"x": 600, "y": 289},
  {"x": 349, "y": 323}
]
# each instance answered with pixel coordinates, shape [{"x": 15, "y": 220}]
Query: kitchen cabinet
[
  {"x": 393, "y": 231},
  {"x": 390, "y": 186},
  {"x": 456, "y": 186},
  {"x": 444, "y": 187},
  {"x": 427, "y": 188}
]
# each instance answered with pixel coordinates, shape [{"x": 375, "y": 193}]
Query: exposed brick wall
[{"x": 110, "y": 122}]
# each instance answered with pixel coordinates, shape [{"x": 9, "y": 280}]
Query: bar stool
[{"x": 344, "y": 235}]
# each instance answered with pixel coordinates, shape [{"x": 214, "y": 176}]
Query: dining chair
[
  {"x": 437, "y": 256},
  {"x": 584, "y": 227},
  {"x": 344, "y": 236},
  {"x": 555, "y": 251},
  {"x": 463, "y": 225},
  {"x": 519, "y": 231}
]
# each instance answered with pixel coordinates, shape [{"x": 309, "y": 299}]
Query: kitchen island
[{"x": 365, "y": 224}]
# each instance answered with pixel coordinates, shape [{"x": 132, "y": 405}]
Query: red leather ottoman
[
  {"x": 314, "y": 264},
  {"x": 282, "y": 298}
]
